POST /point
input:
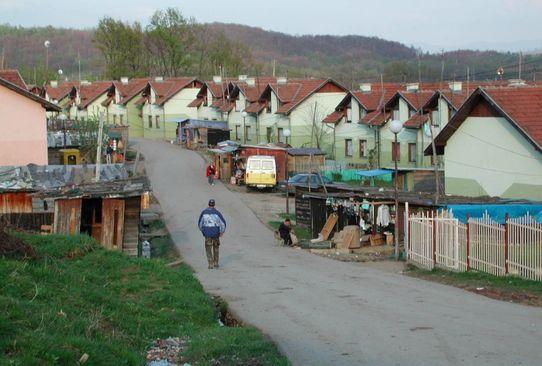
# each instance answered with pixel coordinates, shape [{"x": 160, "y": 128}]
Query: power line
[{"x": 490, "y": 169}]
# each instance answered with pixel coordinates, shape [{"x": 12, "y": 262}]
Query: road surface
[{"x": 325, "y": 312}]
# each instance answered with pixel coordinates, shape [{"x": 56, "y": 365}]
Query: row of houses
[{"x": 351, "y": 126}]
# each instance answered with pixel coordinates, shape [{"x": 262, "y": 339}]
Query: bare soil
[{"x": 15, "y": 248}]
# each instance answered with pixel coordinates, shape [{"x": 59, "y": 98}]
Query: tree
[
  {"x": 121, "y": 45},
  {"x": 170, "y": 40},
  {"x": 318, "y": 131}
]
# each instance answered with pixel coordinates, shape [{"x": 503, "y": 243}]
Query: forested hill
[{"x": 349, "y": 59}]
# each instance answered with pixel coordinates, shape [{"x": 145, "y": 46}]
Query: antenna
[{"x": 519, "y": 72}]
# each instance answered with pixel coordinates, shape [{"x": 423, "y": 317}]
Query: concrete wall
[
  {"x": 475, "y": 163},
  {"x": 23, "y": 130}
]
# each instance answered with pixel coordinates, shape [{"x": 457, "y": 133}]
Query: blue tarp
[
  {"x": 496, "y": 212},
  {"x": 373, "y": 173}
]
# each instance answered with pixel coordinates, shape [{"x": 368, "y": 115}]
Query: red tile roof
[
  {"x": 375, "y": 99},
  {"x": 166, "y": 89},
  {"x": 61, "y": 90},
  {"x": 13, "y": 77},
  {"x": 521, "y": 106},
  {"x": 335, "y": 117},
  {"x": 417, "y": 99},
  {"x": 376, "y": 118},
  {"x": 416, "y": 121},
  {"x": 88, "y": 93},
  {"x": 297, "y": 90},
  {"x": 226, "y": 107},
  {"x": 17, "y": 89},
  {"x": 131, "y": 89},
  {"x": 196, "y": 102},
  {"x": 255, "y": 107}
]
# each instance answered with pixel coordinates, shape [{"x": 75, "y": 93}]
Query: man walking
[
  {"x": 210, "y": 173},
  {"x": 212, "y": 225}
]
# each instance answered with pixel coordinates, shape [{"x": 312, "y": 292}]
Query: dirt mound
[{"x": 13, "y": 247}]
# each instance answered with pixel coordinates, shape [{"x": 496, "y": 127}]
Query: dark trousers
[
  {"x": 211, "y": 248},
  {"x": 287, "y": 240},
  {"x": 211, "y": 179}
]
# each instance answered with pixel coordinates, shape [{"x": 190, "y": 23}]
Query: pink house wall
[{"x": 23, "y": 130}]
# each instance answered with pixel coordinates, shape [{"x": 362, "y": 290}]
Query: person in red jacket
[{"x": 210, "y": 173}]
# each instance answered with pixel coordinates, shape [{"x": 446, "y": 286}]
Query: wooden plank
[
  {"x": 112, "y": 223},
  {"x": 329, "y": 225},
  {"x": 67, "y": 216}
]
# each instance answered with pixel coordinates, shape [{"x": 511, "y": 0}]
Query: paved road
[{"x": 325, "y": 312}]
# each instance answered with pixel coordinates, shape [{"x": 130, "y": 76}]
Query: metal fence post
[
  {"x": 468, "y": 242},
  {"x": 506, "y": 218}
]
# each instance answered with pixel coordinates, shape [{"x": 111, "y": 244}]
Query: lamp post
[
  {"x": 46, "y": 44},
  {"x": 396, "y": 127},
  {"x": 287, "y": 134},
  {"x": 244, "y": 114}
]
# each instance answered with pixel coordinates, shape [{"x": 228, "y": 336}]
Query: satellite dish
[
  {"x": 47, "y": 44},
  {"x": 427, "y": 130}
]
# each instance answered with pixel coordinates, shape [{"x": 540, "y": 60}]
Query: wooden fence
[{"x": 482, "y": 244}]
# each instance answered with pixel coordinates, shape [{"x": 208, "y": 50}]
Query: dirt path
[{"x": 325, "y": 312}]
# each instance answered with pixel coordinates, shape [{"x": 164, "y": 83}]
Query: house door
[
  {"x": 112, "y": 223},
  {"x": 67, "y": 217}
]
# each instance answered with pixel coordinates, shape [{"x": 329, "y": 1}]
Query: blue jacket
[{"x": 211, "y": 223}]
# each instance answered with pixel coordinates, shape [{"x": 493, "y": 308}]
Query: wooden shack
[{"x": 107, "y": 210}]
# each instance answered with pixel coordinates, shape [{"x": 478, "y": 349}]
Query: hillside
[{"x": 349, "y": 59}]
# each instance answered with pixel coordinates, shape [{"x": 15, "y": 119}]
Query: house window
[
  {"x": 247, "y": 133},
  {"x": 412, "y": 153},
  {"x": 396, "y": 114},
  {"x": 121, "y": 117},
  {"x": 157, "y": 121},
  {"x": 362, "y": 148},
  {"x": 348, "y": 147},
  {"x": 411, "y": 113},
  {"x": 396, "y": 151},
  {"x": 269, "y": 134},
  {"x": 348, "y": 115},
  {"x": 237, "y": 132},
  {"x": 150, "y": 121},
  {"x": 280, "y": 131},
  {"x": 115, "y": 119}
]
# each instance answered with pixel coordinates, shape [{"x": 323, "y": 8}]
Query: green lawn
[
  {"x": 302, "y": 233},
  {"x": 506, "y": 288},
  {"x": 78, "y": 298}
]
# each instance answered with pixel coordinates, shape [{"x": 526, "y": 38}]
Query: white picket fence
[{"x": 482, "y": 244}]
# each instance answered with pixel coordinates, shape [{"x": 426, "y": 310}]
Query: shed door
[
  {"x": 112, "y": 223},
  {"x": 67, "y": 217}
]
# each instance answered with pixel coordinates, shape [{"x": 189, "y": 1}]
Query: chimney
[
  {"x": 54, "y": 83},
  {"x": 413, "y": 87},
  {"x": 85, "y": 83},
  {"x": 281, "y": 80},
  {"x": 217, "y": 79},
  {"x": 124, "y": 80},
  {"x": 159, "y": 79},
  {"x": 516, "y": 82},
  {"x": 455, "y": 86},
  {"x": 365, "y": 87},
  {"x": 251, "y": 81},
  {"x": 242, "y": 77}
]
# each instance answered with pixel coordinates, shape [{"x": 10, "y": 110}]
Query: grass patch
[
  {"x": 164, "y": 248},
  {"x": 509, "y": 288},
  {"x": 78, "y": 298}
]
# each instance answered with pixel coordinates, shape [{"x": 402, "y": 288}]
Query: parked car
[
  {"x": 303, "y": 180},
  {"x": 261, "y": 172}
]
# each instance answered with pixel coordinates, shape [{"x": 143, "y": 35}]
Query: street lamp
[
  {"x": 287, "y": 133},
  {"x": 244, "y": 114},
  {"x": 46, "y": 44},
  {"x": 395, "y": 127}
]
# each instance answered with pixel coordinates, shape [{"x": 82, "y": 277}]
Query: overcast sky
[{"x": 432, "y": 24}]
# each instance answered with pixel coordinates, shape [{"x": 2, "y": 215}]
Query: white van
[{"x": 261, "y": 171}]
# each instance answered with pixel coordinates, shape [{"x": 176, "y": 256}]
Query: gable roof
[
  {"x": 60, "y": 91},
  {"x": 130, "y": 90},
  {"x": 88, "y": 93},
  {"x": 44, "y": 103},
  {"x": 335, "y": 117},
  {"x": 294, "y": 92},
  {"x": 166, "y": 89},
  {"x": 13, "y": 77},
  {"x": 415, "y": 100},
  {"x": 416, "y": 120},
  {"x": 376, "y": 118},
  {"x": 376, "y": 98},
  {"x": 520, "y": 106}
]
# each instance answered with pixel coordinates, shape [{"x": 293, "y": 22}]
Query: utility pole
[
  {"x": 519, "y": 72},
  {"x": 99, "y": 147},
  {"x": 79, "y": 64}
]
